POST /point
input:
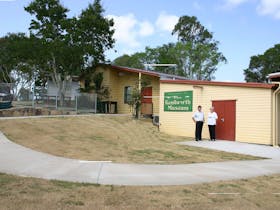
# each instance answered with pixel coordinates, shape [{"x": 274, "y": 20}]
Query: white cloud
[
  {"x": 264, "y": 7},
  {"x": 166, "y": 22},
  {"x": 125, "y": 32},
  {"x": 269, "y": 7},
  {"x": 146, "y": 29},
  {"x": 231, "y": 4},
  {"x": 128, "y": 29},
  {"x": 132, "y": 34}
]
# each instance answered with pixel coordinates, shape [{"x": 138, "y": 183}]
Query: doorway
[
  {"x": 147, "y": 101},
  {"x": 226, "y": 111}
]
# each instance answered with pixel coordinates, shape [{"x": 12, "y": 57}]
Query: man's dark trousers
[{"x": 198, "y": 130}]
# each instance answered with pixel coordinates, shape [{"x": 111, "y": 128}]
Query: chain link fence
[
  {"x": 81, "y": 103},
  {"x": 41, "y": 97}
]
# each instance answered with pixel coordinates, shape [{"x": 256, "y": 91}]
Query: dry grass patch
[
  {"x": 116, "y": 138},
  {"x": 30, "y": 193}
]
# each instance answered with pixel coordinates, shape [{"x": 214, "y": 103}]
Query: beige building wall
[
  {"x": 253, "y": 111},
  {"x": 278, "y": 119},
  {"x": 116, "y": 81},
  {"x": 117, "y": 84}
]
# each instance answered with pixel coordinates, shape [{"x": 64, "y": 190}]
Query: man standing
[
  {"x": 212, "y": 118},
  {"x": 198, "y": 118}
]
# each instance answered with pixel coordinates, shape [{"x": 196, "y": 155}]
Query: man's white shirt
[{"x": 198, "y": 116}]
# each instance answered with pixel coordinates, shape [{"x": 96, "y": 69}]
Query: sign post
[{"x": 181, "y": 101}]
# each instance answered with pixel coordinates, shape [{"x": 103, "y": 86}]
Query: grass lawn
[
  {"x": 116, "y": 138},
  {"x": 30, "y": 193}
]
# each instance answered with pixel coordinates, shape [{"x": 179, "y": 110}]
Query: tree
[
  {"x": 16, "y": 52},
  {"x": 170, "y": 53},
  {"x": 195, "y": 54},
  {"x": 93, "y": 82},
  {"x": 189, "y": 29},
  {"x": 262, "y": 65},
  {"x": 198, "y": 48},
  {"x": 134, "y": 61},
  {"x": 5, "y": 61},
  {"x": 68, "y": 46},
  {"x": 136, "y": 96}
]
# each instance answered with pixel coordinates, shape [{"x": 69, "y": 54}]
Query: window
[{"x": 127, "y": 94}]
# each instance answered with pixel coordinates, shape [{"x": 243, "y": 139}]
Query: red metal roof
[
  {"x": 230, "y": 84},
  {"x": 135, "y": 70},
  {"x": 196, "y": 82},
  {"x": 148, "y": 72}
]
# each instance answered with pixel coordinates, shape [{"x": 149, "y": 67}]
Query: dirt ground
[
  {"x": 115, "y": 138},
  {"x": 122, "y": 139},
  {"x": 35, "y": 194}
]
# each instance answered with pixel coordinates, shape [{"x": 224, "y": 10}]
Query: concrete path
[
  {"x": 18, "y": 160},
  {"x": 238, "y": 147}
]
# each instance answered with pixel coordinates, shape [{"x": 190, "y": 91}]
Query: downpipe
[{"x": 275, "y": 118}]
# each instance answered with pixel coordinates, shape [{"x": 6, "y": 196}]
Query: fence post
[
  {"x": 33, "y": 98},
  {"x": 33, "y": 91},
  {"x": 56, "y": 102},
  {"x": 76, "y": 97},
  {"x": 95, "y": 100}
]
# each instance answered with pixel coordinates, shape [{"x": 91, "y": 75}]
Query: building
[
  {"x": 248, "y": 112},
  {"x": 122, "y": 80}
]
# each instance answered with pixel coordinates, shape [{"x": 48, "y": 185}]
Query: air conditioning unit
[{"x": 156, "y": 120}]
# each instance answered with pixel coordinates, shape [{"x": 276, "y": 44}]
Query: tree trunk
[
  {"x": 137, "y": 109},
  {"x": 61, "y": 83}
]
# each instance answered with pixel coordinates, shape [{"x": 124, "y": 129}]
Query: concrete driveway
[
  {"x": 238, "y": 147},
  {"x": 19, "y": 160}
]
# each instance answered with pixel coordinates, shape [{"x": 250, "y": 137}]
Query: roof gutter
[{"x": 275, "y": 117}]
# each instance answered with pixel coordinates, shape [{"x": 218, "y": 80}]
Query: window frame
[{"x": 127, "y": 94}]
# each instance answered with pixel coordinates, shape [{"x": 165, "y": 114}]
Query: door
[
  {"x": 147, "y": 101},
  {"x": 147, "y": 93},
  {"x": 226, "y": 111}
]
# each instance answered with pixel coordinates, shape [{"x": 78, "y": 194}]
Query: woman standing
[{"x": 212, "y": 118}]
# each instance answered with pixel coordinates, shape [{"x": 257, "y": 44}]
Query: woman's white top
[{"x": 212, "y": 117}]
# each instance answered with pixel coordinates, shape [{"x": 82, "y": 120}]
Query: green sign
[{"x": 178, "y": 101}]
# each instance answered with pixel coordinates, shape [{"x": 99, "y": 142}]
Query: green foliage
[
  {"x": 94, "y": 32},
  {"x": 93, "y": 83},
  {"x": 16, "y": 56},
  {"x": 16, "y": 61},
  {"x": 202, "y": 55},
  {"x": 189, "y": 29},
  {"x": 58, "y": 46},
  {"x": 101, "y": 91},
  {"x": 51, "y": 18},
  {"x": 68, "y": 46},
  {"x": 134, "y": 61},
  {"x": 196, "y": 53},
  {"x": 262, "y": 65},
  {"x": 136, "y": 96}
]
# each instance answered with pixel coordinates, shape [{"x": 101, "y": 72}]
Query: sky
[{"x": 243, "y": 27}]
